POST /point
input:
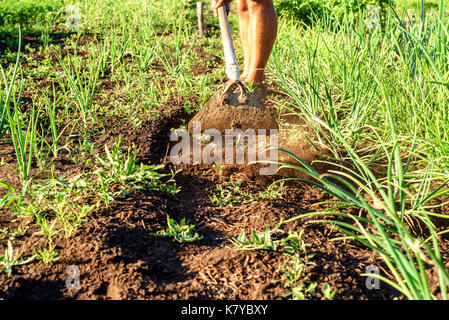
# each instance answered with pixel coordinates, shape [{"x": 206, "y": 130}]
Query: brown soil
[{"x": 118, "y": 258}]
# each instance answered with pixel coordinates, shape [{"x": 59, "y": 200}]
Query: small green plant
[
  {"x": 18, "y": 232},
  {"x": 229, "y": 195},
  {"x": 328, "y": 293},
  {"x": 293, "y": 272},
  {"x": 256, "y": 242},
  {"x": 299, "y": 288},
  {"x": 13, "y": 233},
  {"x": 69, "y": 215},
  {"x": 48, "y": 256},
  {"x": 294, "y": 244},
  {"x": 82, "y": 151},
  {"x": 181, "y": 232},
  {"x": 12, "y": 199},
  {"x": 9, "y": 259}
]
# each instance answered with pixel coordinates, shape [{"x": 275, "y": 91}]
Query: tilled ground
[{"x": 118, "y": 258}]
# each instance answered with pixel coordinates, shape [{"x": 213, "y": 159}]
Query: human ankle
[{"x": 256, "y": 79}]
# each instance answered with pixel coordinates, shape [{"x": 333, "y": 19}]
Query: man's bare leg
[
  {"x": 261, "y": 25},
  {"x": 258, "y": 29}
]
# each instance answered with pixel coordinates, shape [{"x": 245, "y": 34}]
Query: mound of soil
[{"x": 230, "y": 110}]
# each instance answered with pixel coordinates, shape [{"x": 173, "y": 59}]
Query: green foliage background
[
  {"x": 25, "y": 12},
  {"x": 307, "y": 10}
]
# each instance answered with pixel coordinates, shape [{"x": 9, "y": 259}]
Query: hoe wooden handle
[{"x": 232, "y": 69}]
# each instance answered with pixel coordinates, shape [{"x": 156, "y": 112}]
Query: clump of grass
[
  {"x": 47, "y": 255},
  {"x": 180, "y": 232},
  {"x": 49, "y": 229},
  {"x": 293, "y": 272},
  {"x": 83, "y": 85}
]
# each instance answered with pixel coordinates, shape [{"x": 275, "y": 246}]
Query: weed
[
  {"x": 69, "y": 215},
  {"x": 12, "y": 199},
  {"x": 256, "y": 242},
  {"x": 294, "y": 272},
  {"x": 328, "y": 293},
  {"x": 232, "y": 194},
  {"x": 9, "y": 259},
  {"x": 300, "y": 288},
  {"x": 293, "y": 243},
  {"x": 121, "y": 169},
  {"x": 181, "y": 232},
  {"x": 13, "y": 233}
]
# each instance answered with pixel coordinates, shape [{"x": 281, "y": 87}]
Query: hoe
[{"x": 232, "y": 109}]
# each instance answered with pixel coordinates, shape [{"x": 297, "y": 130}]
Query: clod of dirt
[{"x": 234, "y": 110}]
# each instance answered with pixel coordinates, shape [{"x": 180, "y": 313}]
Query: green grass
[
  {"x": 377, "y": 100},
  {"x": 416, "y": 4}
]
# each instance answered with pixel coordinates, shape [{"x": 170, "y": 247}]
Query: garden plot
[{"x": 92, "y": 207}]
